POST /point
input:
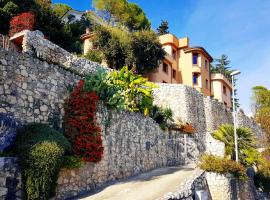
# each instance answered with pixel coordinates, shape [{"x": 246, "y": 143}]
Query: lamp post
[{"x": 234, "y": 73}]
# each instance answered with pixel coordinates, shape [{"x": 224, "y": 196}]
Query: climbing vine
[{"x": 81, "y": 127}]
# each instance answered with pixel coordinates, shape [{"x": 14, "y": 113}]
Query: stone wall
[
  {"x": 216, "y": 114},
  {"x": 187, "y": 106},
  {"x": 32, "y": 90},
  {"x": 5, "y": 43},
  {"x": 226, "y": 187},
  {"x": 132, "y": 144},
  {"x": 10, "y": 179},
  {"x": 204, "y": 113},
  {"x": 36, "y": 45},
  {"x": 220, "y": 186},
  {"x": 214, "y": 147},
  {"x": 247, "y": 190},
  {"x": 245, "y": 121}
]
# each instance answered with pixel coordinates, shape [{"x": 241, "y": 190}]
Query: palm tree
[{"x": 246, "y": 142}]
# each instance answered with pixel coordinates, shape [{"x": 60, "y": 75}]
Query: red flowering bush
[
  {"x": 80, "y": 124},
  {"x": 23, "y": 21}
]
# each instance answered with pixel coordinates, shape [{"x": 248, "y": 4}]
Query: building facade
[
  {"x": 221, "y": 89},
  {"x": 190, "y": 66}
]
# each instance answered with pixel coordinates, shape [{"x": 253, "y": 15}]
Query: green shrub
[
  {"x": 98, "y": 82},
  {"x": 114, "y": 44},
  {"x": 41, "y": 150},
  {"x": 7, "y": 154},
  {"x": 71, "y": 162},
  {"x": 135, "y": 89},
  {"x": 162, "y": 116},
  {"x": 31, "y": 134},
  {"x": 262, "y": 176},
  {"x": 141, "y": 49},
  {"x": 11, "y": 8},
  {"x": 41, "y": 169},
  {"x": 220, "y": 165},
  {"x": 147, "y": 51},
  {"x": 94, "y": 55}
]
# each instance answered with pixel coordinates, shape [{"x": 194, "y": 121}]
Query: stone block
[{"x": 3, "y": 192}]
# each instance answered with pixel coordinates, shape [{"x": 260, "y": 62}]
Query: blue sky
[{"x": 238, "y": 28}]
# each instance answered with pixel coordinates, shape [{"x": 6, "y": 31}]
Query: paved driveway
[{"x": 147, "y": 186}]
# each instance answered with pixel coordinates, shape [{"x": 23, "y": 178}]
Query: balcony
[
  {"x": 196, "y": 69},
  {"x": 221, "y": 77}
]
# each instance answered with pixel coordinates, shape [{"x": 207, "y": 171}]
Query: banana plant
[
  {"x": 122, "y": 89},
  {"x": 137, "y": 90}
]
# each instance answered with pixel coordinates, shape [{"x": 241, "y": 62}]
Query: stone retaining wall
[
  {"x": 6, "y": 44},
  {"x": 132, "y": 144},
  {"x": 187, "y": 106},
  {"x": 247, "y": 190},
  {"x": 10, "y": 179},
  {"x": 204, "y": 113},
  {"x": 214, "y": 147},
  {"x": 36, "y": 45},
  {"x": 226, "y": 187},
  {"x": 220, "y": 186},
  {"x": 216, "y": 114},
  {"x": 32, "y": 90},
  {"x": 245, "y": 121}
]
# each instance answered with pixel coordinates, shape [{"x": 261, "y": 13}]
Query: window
[
  {"x": 165, "y": 67},
  {"x": 174, "y": 73},
  {"x": 164, "y": 82},
  {"x": 195, "y": 58},
  {"x": 174, "y": 54},
  {"x": 224, "y": 90},
  {"x": 206, "y": 84},
  {"x": 71, "y": 18},
  {"x": 195, "y": 79},
  {"x": 206, "y": 64},
  {"x": 225, "y": 103}
]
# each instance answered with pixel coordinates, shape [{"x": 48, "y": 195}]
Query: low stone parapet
[
  {"x": 220, "y": 185},
  {"x": 189, "y": 187},
  {"x": 36, "y": 45}
]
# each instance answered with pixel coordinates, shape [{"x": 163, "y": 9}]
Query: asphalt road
[{"x": 147, "y": 186}]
